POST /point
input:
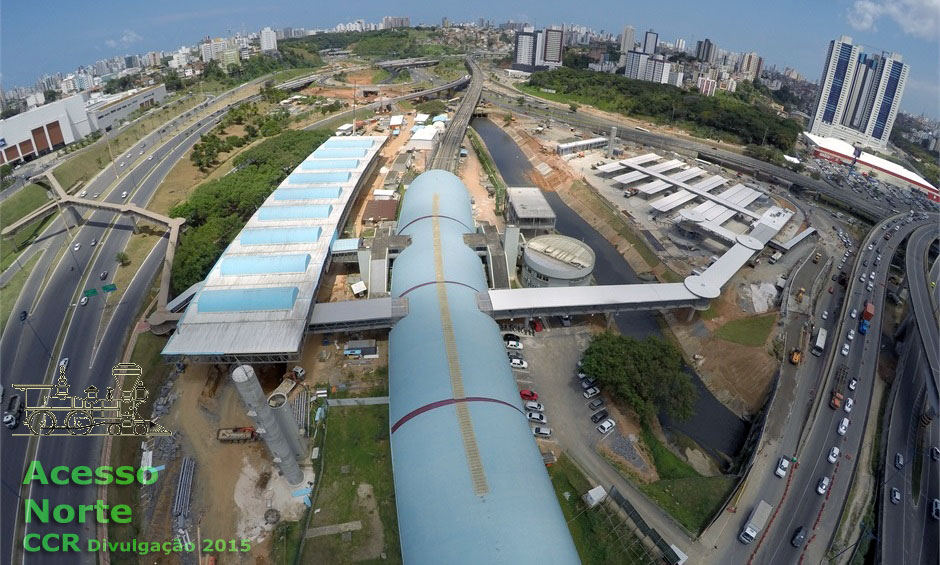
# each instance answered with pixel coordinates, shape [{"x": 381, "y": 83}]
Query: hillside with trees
[{"x": 723, "y": 116}]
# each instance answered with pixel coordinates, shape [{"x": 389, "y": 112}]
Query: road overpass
[
  {"x": 399, "y": 64},
  {"x": 445, "y": 155}
]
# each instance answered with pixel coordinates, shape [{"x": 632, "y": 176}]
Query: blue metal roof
[
  {"x": 275, "y": 236},
  {"x": 319, "y": 193},
  {"x": 441, "y": 518},
  {"x": 348, "y": 244},
  {"x": 264, "y": 264},
  {"x": 315, "y": 178},
  {"x": 340, "y": 143},
  {"x": 319, "y": 164},
  {"x": 245, "y": 299},
  {"x": 266, "y": 213},
  {"x": 338, "y": 153}
]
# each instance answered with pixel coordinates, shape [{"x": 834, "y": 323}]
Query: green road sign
[
  {"x": 90, "y": 292},
  {"x": 109, "y": 288}
]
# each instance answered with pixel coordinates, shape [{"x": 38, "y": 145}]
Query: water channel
[{"x": 713, "y": 426}]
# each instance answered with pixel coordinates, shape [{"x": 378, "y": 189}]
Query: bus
[{"x": 820, "y": 344}]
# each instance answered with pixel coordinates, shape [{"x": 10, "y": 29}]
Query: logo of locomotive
[{"x": 51, "y": 410}]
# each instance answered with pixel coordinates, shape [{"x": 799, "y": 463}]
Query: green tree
[
  {"x": 646, "y": 374},
  {"x": 51, "y": 95},
  {"x": 573, "y": 107},
  {"x": 6, "y": 171},
  {"x": 122, "y": 258}
]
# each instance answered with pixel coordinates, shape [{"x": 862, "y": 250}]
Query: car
[
  {"x": 588, "y": 383},
  {"x": 76, "y": 247},
  {"x": 598, "y": 403},
  {"x": 513, "y": 345},
  {"x": 141, "y": 153},
  {"x": 518, "y": 364},
  {"x": 895, "y": 496},
  {"x": 591, "y": 392},
  {"x": 825, "y": 315},
  {"x": 783, "y": 465},
  {"x": 103, "y": 275},
  {"x": 526, "y": 394},
  {"x": 831, "y": 290},
  {"x": 845, "y": 350},
  {"x": 833, "y": 455},
  {"x": 853, "y": 384},
  {"x": 935, "y": 453},
  {"x": 122, "y": 163},
  {"x": 606, "y": 426},
  {"x": 833, "y": 278},
  {"x": 536, "y": 417},
  {"x": 83, "y": 301},
  {"x": 124, "y": 194},
  {"x": 565, "y": 321},
  {"x": 822, "y": 486},
  {"x": 533, "y": 406},
  {"x": 94, "y": 242},
  {"x": 514, "y": 354},
  {"x": 849, "y": 403},
  {"x": 23, "y": 315},
  {"x": 799, "y": 536},
  {"x": 541, "y": 431},
  {"x": 150, "y": 158},
  {"x": 96, "y": 195},
  {"x": 898, "y": 461},
  {"x": 843, "y": 426},
  {"x": 861, "y": 278},
  {"x": 64, "y": 363},
  {"x": 854, "y": 313},
  {"x": 871, "y": 246},
  {"x": 884, "y": 227},
  {"x": 83, "y": 193},
  {"x": 872, "y": 276},
  {"x": 870, "y": 287},
  {"x": 851, "y": 335},
  {"x": 510, "y": 337},
  {"x": 598, "y": 416}
]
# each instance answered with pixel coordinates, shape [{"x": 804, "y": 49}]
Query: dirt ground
[{"x": 484, "y": 206}]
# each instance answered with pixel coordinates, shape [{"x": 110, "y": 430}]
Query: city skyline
[{"x": 874, "y": 25}]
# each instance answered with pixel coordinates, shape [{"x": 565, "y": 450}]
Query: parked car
[
  {"x": 514, "y": 345},
  {"x": 598, "y": 416},
  {"x": 843, "y": 426},
  {"x": 606, "y": 426},
  {"x": 591, "y": 392},
  {"x": 510, "y": 337},
  {"x": 935, "y": 453},
  {"x": 833, "y": 455},
  {"x": 783, "y": 465},
  {"x": 588, "y": 383},
  {"x": 935, "y": 509},
  {"x": 799, "y": 536},
  {"x": 825, "y": 315},
  {"x": 518, "y": 364},
  {"x": 536, "y": 417},
  {"x": 533, "y": 406},
  {"x": 822, "y": 486},
  {"x": 541, "y": 431},
  {"x": 596, "y": 404},
  {"x": 895, "y": 496},
  {"x": 898, "y": 461},
  {"x": 514, "y": 354},
  {"x": 528, "y": 394}
]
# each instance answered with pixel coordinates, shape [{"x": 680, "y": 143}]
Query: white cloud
[
  {"x": 920, "y": 18},
  {"x": 127, "y": 38}
]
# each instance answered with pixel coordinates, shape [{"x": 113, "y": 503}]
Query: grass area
[
  {"x": 286, "y": 538},
  {"x": 357, "y": 439},
  {"x": 125, "y": 450},
  {"x": 86, "y": 164},
  {"x": 27, "y": 199},
  {"x": 379, "y": 75},
  {"x": 752, "y": 331},
  {"x": 11, "y": 247},
  {"x": 589, "y": 528},
  {"x": 137, "y": 248},
  {"x": 288, "y": 74},
  {"x": 10, "y": 292},
  {"x": 709, "y": 314},
  {"x": 692, "y": 499},
  {"x": 405, "y": 105},
  {"x": 489, "y": 168}
]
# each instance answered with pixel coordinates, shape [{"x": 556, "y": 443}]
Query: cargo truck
[
  {"x": 756, "y": 522},
  {"x": 835, "y": 402},
  {"x": 865, "y": 319}
]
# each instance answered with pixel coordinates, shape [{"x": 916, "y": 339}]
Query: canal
[{"x": 713, "y": 426}]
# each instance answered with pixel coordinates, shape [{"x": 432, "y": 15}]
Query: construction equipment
[
  {"x": 237, "y": 435},
  {"x": 796, "y": 356},
  {"x": 817, "y": 257},
  {"x": 297, "y": 374},
  {"x": 799, "y": 295}
]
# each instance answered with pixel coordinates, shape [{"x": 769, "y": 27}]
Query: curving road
[{"x": 445, "y": 155}]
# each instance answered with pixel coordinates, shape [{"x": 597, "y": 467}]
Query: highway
[
  {"x": 908, "y": 534},
  {"x": 801, "y": 506}
]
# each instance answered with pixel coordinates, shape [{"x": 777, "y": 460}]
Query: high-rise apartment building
[
  {"x": 750, "y": 65},
  {"x": 650, "y": 40},
  {"x": 553, "y": 48},
  {"x": 680, "y": 44},
  {"x": 628, "y": 39},
  {"x": 635, "y": 66},
  {"x": 706, "y": 51},
  {"x": 859, "y": 94},
  {"x": 538, "y": 50},
  {"x": 388, "y": 22},
  {"x": 268, "y": 39}
]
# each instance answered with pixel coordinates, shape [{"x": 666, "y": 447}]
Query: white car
[
  {"x": 122, "y": 163},
  {"x": 150, "y": 158},
  {"x": 861, "y": 278},
  {"x": 822, "y": 486},
  {"x": 849, "y": 403},
  {"x": 854, "y": 313},
  {"x": 83, "y": 301},
  {"x": 541, "y": 431},
  {"x": 591, "y": 392},
  {"x": 83, "y": 194},
  {"x": 853, "y": 384},
  {"x": 518, "y": 364},
  {"x": 870, "y": 287},
  {"x": 782, "y": 466},
  {"x": 833, "y": 455},
  {"x": 513, "y": 345},
  {"x": 536, "y": 417},
  {"x": 76, "y": 247},
  {"x": 533, "y": 406},
  {"x": 871, "y": 246},
  {"x": 851, "y": 335},
  {"x": 606, "y": 426},
  {"x": 825, "y": 315},
  {"x": 845, "y": 350},
  {"x": 843, "y": 426},
  {"x": 124, "y": 195}
]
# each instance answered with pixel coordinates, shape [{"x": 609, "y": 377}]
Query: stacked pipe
[{"x": 184, "y": 488}]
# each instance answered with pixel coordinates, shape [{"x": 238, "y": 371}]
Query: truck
[
  {"x": 297, "y": 374},
  {"x": 236, "y": 435},
  {"x": 775, "y": 257},
  {"x": 796, "y": 356},
  {"x": 835, "y": 401},
  {"x": 865, "y": 319},
  {"x": 756, "y": 522}
]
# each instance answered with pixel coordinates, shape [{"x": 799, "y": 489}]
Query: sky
[{"x": 59, "y": 35}]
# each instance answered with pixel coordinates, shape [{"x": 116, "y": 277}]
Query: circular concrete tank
[{"x": 556, "y": 260}]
